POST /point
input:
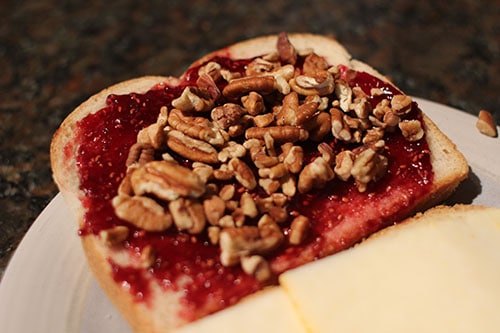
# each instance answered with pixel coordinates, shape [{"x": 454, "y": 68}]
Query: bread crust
[{"x": 64, "y": 150}]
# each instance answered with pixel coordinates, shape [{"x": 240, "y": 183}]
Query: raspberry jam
[{"x": 340, "y": 214}]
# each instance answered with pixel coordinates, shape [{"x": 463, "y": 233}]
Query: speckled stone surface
[{"x": 55, "y": 54}]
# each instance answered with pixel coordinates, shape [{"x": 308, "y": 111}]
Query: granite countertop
[{"x": 54, "y": 55}]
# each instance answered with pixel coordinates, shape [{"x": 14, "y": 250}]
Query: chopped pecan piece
[
  {"x": 232, "y": 149},
  {"x": 263, "y": 120},
  {"x": 214, "y": 208},
  {"x": 248, "y": 205},
  {"x": 253, "y": 103},
  {"x": 239, "y": 242},
  {"x": 213, "y": 234},
  {"x": 401, "y": 104},
  {"x": 344, "y": 94},
  {"x": 256, "y": 266},
  {"x": 147, "y": 257},
  {"x": 340, "y": 129},
  {"x": 286, "y": 50},
  {"x": 275, "y": 172},
  {"x": 154, "y": 134},
  {"x": 188, "y": 214},
  {"x": 315, "y": 175},
  {"x": 227, "y": 115},
  {"x": 314, "y": 63},
  {"x": 260, "y": 66},
  {"x": 486, "y": 124},
  {"x": 412, "y": 130},
  {"x": 292, "y": 113},
  {"x": 227, "y": 192},
  {"x": 204, "y": 171},
  {"x": 193, "y": 99},
  {"x": 298, "y": 230},
  {"x": 207, "y": 84},
  {"x": 114, "y": 235},
  {"x": 212, "y": 68},
  {"x": 292, "y": 157},
  {"x": 343, "y": 164},
  {"x": 368, "y": 166},
  {"x": 318, "y": 126},
  {"x": 270, "y": 186},
  {"x": 243, "y": 173}
]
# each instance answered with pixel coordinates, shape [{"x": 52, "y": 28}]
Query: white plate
[{"x": 47, "y": 287}]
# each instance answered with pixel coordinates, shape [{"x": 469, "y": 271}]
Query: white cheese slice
[
  {"x": 438, "y": 273},
  {"x": 269, "y": 310}
]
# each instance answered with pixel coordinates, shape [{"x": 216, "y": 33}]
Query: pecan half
[
  {"x": 196, "y": 127},
  {"x": 320, "y": 83},
  {"x": 139, "y": 154},
  {"x": 190, "y": 148},
  {"x": 166, "y": 180},
  {"x": 279, "y": 133},
  {"x": 243, "y": 86},
  {"x": 143, "y": 212}
]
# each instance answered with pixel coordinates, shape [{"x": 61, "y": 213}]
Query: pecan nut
[
  {"x": 412, "y": 130},
  {"x": 142, "y": 212},
  {"x": 242, "y": 86},
  {"x": 486, "y": 124},
  {"x": 239, "y": 242},
  {"x": 243, "y": 173},
  {"x": 315, "y": 175},
  {"x": 166, "y": 180},
  {"x": 190, "y": 148},
  {"x": 188, "y": 214},
  {"x": 279, "y": 133},
  {"x": 368, "y": 166}
]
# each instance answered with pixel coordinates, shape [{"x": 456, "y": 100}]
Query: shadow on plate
[{"x": 465, "y": 193}]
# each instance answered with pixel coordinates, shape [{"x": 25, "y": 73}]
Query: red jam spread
[{"x": 106, "y": 136}]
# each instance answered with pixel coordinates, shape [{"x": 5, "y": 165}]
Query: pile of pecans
[{"x": 247, "y": 157}]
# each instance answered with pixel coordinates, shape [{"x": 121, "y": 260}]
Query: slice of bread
[
  {"x": 436, "y": 272},
  {"x": 164, "y": 308}
]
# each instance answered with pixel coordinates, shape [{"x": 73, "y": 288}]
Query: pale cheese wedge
[
  {"x": 269, "y": 310},
  {"x": 439, "y": 272}
]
